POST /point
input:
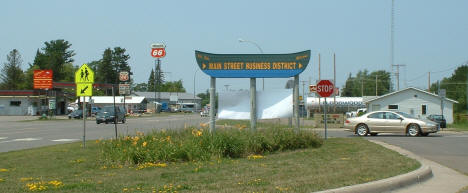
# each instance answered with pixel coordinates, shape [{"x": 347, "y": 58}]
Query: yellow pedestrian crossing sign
[
  {"x": 84, "y": 89},
  {"x": 84, "y": 75}
]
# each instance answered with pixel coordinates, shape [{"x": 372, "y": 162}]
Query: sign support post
[
  {"x": 296, "y": 101},
  {"x": 84, "y": 122},
  {"x": 253, "y": 104},
  {"x": 212, "y": 104},
  {"x": 115, "y": 111},
  {"x": 325, "y": 116}
]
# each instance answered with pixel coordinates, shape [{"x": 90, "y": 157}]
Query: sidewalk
[{"x": 444, "y": 179}]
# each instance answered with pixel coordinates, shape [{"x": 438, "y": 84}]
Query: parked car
[
  {"x": 76, "y": 114},
  {"x": 107, "y": 114},
  {"x": 95, "y": 110},
  {"x": 390, "y": 122},
  {"x": 438, "y": 119}
]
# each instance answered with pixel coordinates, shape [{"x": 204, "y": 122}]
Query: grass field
[
  {"x": 463, "y": 126},
  {"x": 70, "y": 168}
]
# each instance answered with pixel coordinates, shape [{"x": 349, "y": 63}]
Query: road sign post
[
  {"x": 84, "y": 79},
  {"x": 325, "y": 89}
]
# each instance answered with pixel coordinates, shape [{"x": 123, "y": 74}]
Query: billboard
[
  {"x": 42, "y": 79},
  {"x": 252, "y": 65}
]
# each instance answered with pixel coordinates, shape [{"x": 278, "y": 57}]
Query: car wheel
[
  {"x": 413, "y": 130},
  {"x": 69, "y": 117},
  {"x": 123, "y": 120},
  {"x": 97, "y": 122},
  {"x": 362, "y": 130},
  {"x": 107, "y": 122}
]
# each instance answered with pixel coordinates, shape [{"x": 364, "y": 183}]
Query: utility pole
[
  {"x": 334, "y": 82},
  {"x": 362, "y": 87},
  {"x": 320, "y": 104},
  {"x": 391, "y": 37},
  {"x": 428, "y": 81},
  {"x": 397, "y": 74},
  {"x": 376, "y": 83}
]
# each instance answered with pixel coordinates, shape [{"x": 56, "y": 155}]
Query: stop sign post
[{"x": 325, "y": 89}]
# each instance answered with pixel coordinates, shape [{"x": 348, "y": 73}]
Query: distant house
[
  {"x": 413, "y": 101},
  {"x": 133, "y": 103},
  {"x": 32, "y": 102}
]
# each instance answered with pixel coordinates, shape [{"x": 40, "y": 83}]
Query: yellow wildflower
[
  {"x": 26, "y": 179},
  {"x": 255, "y": 157},
  {"x": 144, "y": 144},
  {"x": 125, "y": 189},
  {"x": 2, "y": 180},
  {"x": 56, "y": 183},
  {"x": 3, "y": 170}
]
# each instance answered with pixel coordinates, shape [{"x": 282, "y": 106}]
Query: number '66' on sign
[{"x": 158, "y": 52}]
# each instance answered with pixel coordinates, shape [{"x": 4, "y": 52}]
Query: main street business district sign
[{"x": 252, "y": 65}]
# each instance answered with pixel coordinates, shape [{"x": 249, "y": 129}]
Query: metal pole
[
  {"x": 296, "y": 101},
  {"x": 159, "y": 92},
  {"x": 212, "y": 104},
  {"x": 376, "y": 83},
  {"x": 253, "y": 104},
  {"x": 428, "y": 81},
  {"x": 334, "y": 82},
  {"x": 115, "y": 112},
  {"x": 84, "y": 122},
  {"x": 154, "y": 86},
  {"x": 319, "y": 79},
  {"x": 325, "y": 117}
]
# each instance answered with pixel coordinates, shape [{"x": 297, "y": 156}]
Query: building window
[
  {"x": 393, "y": 107},
  {"x": 424, "y": 109},
  {"x": 15, "y": 103}
]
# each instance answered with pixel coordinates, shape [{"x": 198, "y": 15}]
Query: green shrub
[{"x": 197, "y": 145}]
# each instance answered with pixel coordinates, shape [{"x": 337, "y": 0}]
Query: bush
[{"x": 197, "y": 145}]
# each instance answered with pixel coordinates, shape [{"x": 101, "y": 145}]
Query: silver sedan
[{"x": 390, "y": 122}]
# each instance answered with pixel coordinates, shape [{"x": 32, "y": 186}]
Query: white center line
[{"x": 64, "y": 140}]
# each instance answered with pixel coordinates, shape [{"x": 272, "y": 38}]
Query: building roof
[
  {"x": 166, "y": 95},
  {"x": 118, "y": 99},
  {"x": 409, "y": 88}
]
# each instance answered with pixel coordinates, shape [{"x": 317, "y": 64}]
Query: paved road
[
  {"x": 447, "y": 148},
  {"x": 16, "y": 134}
]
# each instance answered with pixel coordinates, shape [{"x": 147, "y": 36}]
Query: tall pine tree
[{"x": 12, "y": 77}]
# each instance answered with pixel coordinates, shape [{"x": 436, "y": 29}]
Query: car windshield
[
  {"x": 438, "y": 117},
  {"x": 406, "y": 115},
  {"x": 105, "y": 110},
  {"x": 77, "y": 112}
]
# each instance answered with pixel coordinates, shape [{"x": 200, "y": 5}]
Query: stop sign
[{"x": 325, "y": 88}]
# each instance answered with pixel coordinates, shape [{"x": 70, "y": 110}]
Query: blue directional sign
[{"x": 252, "y": 65}]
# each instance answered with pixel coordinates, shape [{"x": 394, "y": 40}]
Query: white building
[
  {"x": 413, "y": 101},
  {"x": 132, "y": 103}
]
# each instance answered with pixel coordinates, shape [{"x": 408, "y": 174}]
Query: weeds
[{"x": 199, "y": 145}]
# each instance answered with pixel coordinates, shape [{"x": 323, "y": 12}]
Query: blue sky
[{"x": 430, "y": 35}]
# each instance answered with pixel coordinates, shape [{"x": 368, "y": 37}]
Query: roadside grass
[
  {"x": 461, "y": 126},
  {"x": 70, "y": 168}
]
